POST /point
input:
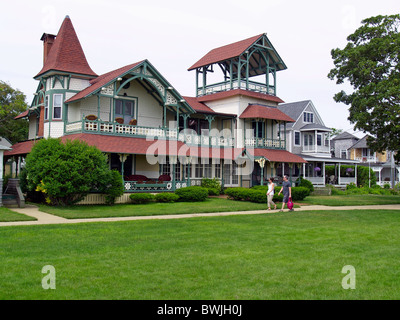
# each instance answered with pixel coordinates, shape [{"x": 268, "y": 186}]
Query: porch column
[
  {"x": 173, "y": 161},
  {"x": 339, "y": 174},
  {"x": 261, "y": 162},
  {"x": 304, "y": 170},
  {"x": 315, "y": 142},
  {"x": 283, "y": 169},
  {"x": 323, "y": 172},
  {"x": 122, "y": 159},
  {"x": 272, "y": 168},
  {"x": 355, "y": 173},
  {"x": 380, "y": 176},
  {"x": 290, "y": 171},
  {"x": 209, "y": 118}
]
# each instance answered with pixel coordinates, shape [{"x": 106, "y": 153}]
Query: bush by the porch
[
  {"x": 166, "y": 197},
  {"x": 192, "y": 194},
  {"x": 115, "y": 187},
  {"x": 66, "y": 172},
  {"x": 213, "y": 186},
  {"x": 141, "y": 198},
  {"x": 306, "y": 184}
]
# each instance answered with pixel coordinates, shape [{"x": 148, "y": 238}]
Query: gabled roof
[
  {"x": 362, "y": 143},
  {"x": 294, "y": 109},
  {"x": 225, "y": 52},
  {"x": 264, "y": 112},
  {"x": 102, "y": 81},
  {"x": 345, "y": 136},
  {"x": 66, "y": 53},
  {"x": 22, "y": 115},
  {"x": 238, "y": 92}
]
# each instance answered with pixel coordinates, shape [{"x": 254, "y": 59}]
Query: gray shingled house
[{"x": 309, "y": 138}]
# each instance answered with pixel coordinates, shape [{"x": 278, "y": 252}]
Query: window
[
  {"x": 208, "y": 169},
  {"x": 319, "y": 139},
  {"x": 258, "y": 129},
  {"x": 198, "y": 170},
  {"x": 125, "y": 109},
  {"x": 308, "y": 140},
  {"x": 218, "y": 170},
  {"x": 57, "y": 106},
  {"x": 46, "y": 108},
  {"x": 343, "y": 154},
  {"x": 297, "y": 141},
  {"x": 308, "y": 117}
]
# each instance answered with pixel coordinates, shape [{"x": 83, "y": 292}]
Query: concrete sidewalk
[{"x": 45, "y": 218}]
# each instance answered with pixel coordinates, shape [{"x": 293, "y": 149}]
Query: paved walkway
[{"x": 45, "y": 218}]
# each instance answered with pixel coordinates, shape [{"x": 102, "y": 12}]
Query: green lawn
[
  {"x": 125, "y": 210},
  {"x": 269, "y": 256},
  {"x": 6, "y": 215},
  {"x": 352, "y": 200}
]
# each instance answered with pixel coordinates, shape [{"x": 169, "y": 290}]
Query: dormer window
[{"x": 308, "y": 117}]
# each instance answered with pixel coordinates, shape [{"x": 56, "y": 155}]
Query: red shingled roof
[
  {"x": 274, "y": 155},
  {"x": 236, "y": 92},
  {"x": 22, "y": 115},
  {"x": 66, "y": 54},
  {"x": 20, "y": 148},
  {"x": 225, "y": 52},
  {"x": 264, "y": 112},
  {"x": 102, "y": 81}
]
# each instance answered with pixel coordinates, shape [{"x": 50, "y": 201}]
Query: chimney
[{"x": 48, "y": 40}]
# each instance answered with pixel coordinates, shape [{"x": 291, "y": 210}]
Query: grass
[
  {"x": 352, "y": 200},
  {"x": 124, "y": 210},
  {"x": 6, "y": 215},
  {"x": 270, "y": 256}
]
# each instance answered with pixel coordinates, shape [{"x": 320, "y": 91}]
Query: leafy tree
[
  {"x": 12, "y": 103},
  {"x": 65, "y": 173},
  {"x": 370, "y": 62}
]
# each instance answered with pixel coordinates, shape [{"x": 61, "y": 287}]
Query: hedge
[
  {"x": 166, "y": 197},
  {"x": 192, "y": 194},
  {"x": 258, "y": 194},
  {"x": 140, "y": 198}
]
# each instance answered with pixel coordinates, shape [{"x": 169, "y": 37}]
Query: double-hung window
[
  {"x": 46, "y": 108},
  {"x": 57, "y": 106},
  {"x": 308, "y": 117},
  {"x": 297, "y": 138}
]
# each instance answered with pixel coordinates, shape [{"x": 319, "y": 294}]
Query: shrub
[
  {"x": 386, "y": 186},
  {"x": 141, "y": 198},
  {"x": 238, "y": 193},
  {"x": 115, "y": 187},
  {"x": 213, "y": 192},
  {"x": 166, "y": 197},
  {"x": 258, "y": 194},
  {"x": 192, "y": 194},
  {"x": 213, "y": 184},
  {"x": 306, "y": 184},
  {"x": 351, "y": 186},
  {"x": 66, "y": 172}
]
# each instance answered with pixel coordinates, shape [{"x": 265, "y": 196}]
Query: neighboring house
[
  {"x": 380, "y": 162},
  {"x": 341, "y": 144},
  {"x": 309, "y": 138},
  {"x": 158, "y": 139}
]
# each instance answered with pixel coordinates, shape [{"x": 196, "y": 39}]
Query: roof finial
[{"x": 67, "y": 17}]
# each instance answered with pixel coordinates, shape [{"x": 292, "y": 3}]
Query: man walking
[{"x": 287, "y": 192}]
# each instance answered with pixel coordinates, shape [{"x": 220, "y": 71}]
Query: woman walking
[{"x": 270, "y": 193}]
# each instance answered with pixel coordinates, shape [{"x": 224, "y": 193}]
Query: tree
[
  {"x": 66, "y": 172},
  {"x": 370, "y": 62},
  {"x": 12, "y": 103}
]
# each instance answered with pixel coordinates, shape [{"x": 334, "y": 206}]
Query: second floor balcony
[
  {"x": 128, "y": 130},
  {"x": 228, "y": 85}
]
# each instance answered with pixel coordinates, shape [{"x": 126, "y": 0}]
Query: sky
[{"x": 175, "y": 34}]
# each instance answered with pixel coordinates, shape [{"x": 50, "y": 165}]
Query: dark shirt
[{"x": 285, "y": 187}]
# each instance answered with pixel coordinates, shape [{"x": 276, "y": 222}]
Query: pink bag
[{"x": 290, "y": 204}]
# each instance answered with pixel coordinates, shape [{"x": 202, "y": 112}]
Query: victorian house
[{"x": 159, "y": 140}]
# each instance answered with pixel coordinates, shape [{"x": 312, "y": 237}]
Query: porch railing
[
  {"x": 316, "y": 149},
  {"x": 110, "y": 128},
  {"x": 265, "y": 143},
  {"x": 226, "y": 85}
]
